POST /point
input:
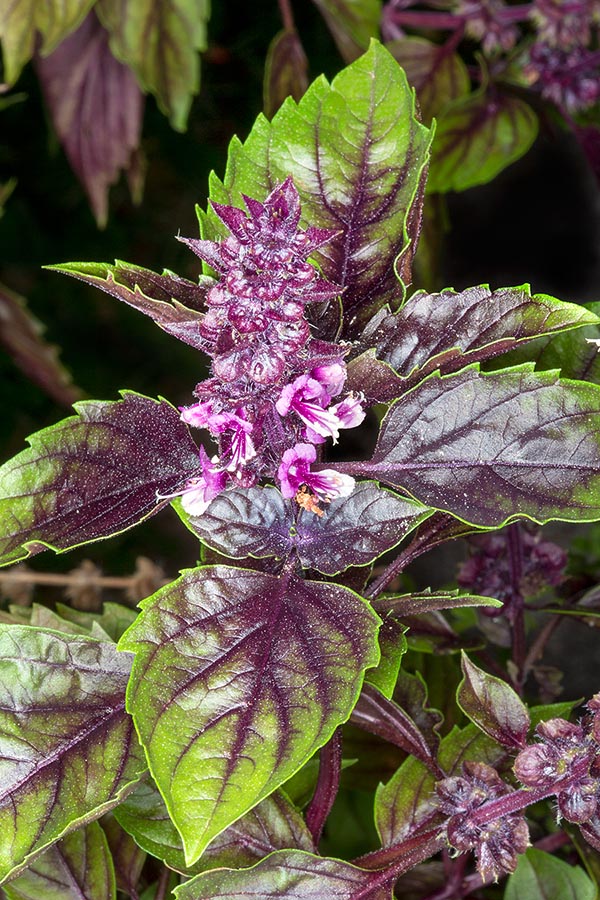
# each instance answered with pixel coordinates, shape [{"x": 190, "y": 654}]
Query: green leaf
[
  {"x": 128, "y": 859},
  {"x": 68, "y": 751},
  {"x": 540, "y": 876},
  {"x": 274, "y": 824},
  {"x": 491, "y": 447},
  {"x": 159, "y": 40},
  {"x": 393, "y": 646},
  {"x": 20, "y": 22},
  {"x": 114, "y": 618},
  {"x": 239, "y": 677},
  {"x": 79, "y": 867},
  {"x": 352, "y": 23},
  {"x": 288, "y": 873},
  {"x": 93, "y": 475},
  {"x": 364, "y": 122},
  {"x": 492, "y": 705},
  {"x": 405, "y": 803},
  {"x": 479, "y": 137},
  {"x": 439, "y": 75},
  {"x": 468, "y": 744}
]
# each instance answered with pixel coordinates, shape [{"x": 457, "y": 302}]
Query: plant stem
[
  {"x": 515, "y": 561},
  {"x": 328, "y": 781},
  {"x": 287, "y": 16},
  {"x": 60, "y": 580},
  {"x": 405, "y": 854}
]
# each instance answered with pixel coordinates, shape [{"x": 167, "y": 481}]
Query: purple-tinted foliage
[{"x": 96, "y": 107}]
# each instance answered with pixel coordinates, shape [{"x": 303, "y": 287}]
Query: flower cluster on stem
[{"x": 276, "y": 392}]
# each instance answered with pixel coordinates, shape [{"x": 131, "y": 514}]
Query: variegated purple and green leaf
[
  {"x": 239, "y": 677},
  {"x": 490, "y": 447},
  {"x": 493, "y": 706},
  {"x": 286, "y": 71},
  {"x": 355, "y": 530},
  {"x": 78, "y": 866},
  {"x": 309, "y": 877},
  {"x": 352, "y": 24},
  {"x": 406, "y": 803},
  {"x": 67, "y": 746},
  {"x": 437, "y": 73},
  {"x": 358, "y": 156},
  {"x": 93, "y": 475}
]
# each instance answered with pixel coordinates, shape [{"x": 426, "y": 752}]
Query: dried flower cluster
[{"x": 269, "y": 402}]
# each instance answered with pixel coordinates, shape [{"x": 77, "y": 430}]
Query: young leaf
[
  {"x": 354, "y": 531},
  {"x": 22, "y": 20},
  {"x": 429, "y": 601},
  {"x": 274, "y": 824},
  {"x": 364, "y": 122},
  {"x": 79, "y": 866},
  {"x": 22, "y": 336},
  {"x": 352, "y": 23},
  {"x": 96, "y": 107},
  {"x": 173, "y": 303},
  {"x": 477, "y": 138},
  {"x": 541, "y": 876},
  {"x": 92, "y": 475},
  {"x": 392, "y": 646},
  {"x": 488, "y": 448},
  {"x": 159, "y": 42},
  {"x": 405, "y": 803},
  {"x": 449, "y": 330},
  {"x": 289, "y": 873},
  {"x": 68, "y": 749},
  {"x": 285, "y": 71},
  {"x": 239, "y": 677},
  {"x": 493, "y": 706},
  {"x": 438, "y": 74}
]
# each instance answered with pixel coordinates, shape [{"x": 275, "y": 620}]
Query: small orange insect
[{"x": 308, "y": 501}]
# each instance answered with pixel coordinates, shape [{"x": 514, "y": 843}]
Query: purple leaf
[
  {"x": 352, "y": 24},
  {"x": 239, "y": 677},
  {"x": 488, "y": 448},
  {"x": 96, "y": 107},
  {"x": 68, "y": 748},
  {"x": 21, "y": 334},
  {"x": 358, "y": 156},
  {"x": 477, "y": 138},
  {"x": 429, "y": 601},
  {"x": 93, "y": 475},
  {"x": 411, "y": 695},
  {"x": 437, "y": 73},
  {"x": 290, "y": 874},
  {"x": 159, "y": 42},
  {"x": 79, "y": 866},
  {"x": 128, "y": 859},
  {"x": 274, "y": 824},
  {"x": 172, "y": 302},
  {"x": 286, "y": 71},
  {"x": 447, "y": 331},
  {"x": 493, "y": 706},
  {"x": 354, "y": 531}
]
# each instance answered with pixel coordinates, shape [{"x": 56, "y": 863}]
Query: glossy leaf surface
[
  {"x": 79, "y": 867},
  {"x": 274, "y": 824},
  {"x": 96, "y": 108},
  {"x": 541, "y": 876},
  {"x": 239, "y": 677},
  {"x": 173, "y": 303},
  {"x": 92, "y": 475},
  {"x": 438, "y": 75},
  {"x": 477, "y": 138},
  {"x": 358, "y": 156},
  {"x": 493, "y": 705},
  {"x": 490, "y": 447},
  {"x": 22, "y": 20},
  {"x": 449, "y": 330},
  {"x": 68, "y": 750},
  {"x": 354, "y": 531},
  {"x": 288, "y": 873},
  {"x": 159, "y": 40}
]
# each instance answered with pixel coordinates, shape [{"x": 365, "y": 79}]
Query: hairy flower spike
[{"x": 269, "y": 398}]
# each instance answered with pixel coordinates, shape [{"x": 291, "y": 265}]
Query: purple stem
[
  {"x": 515, "y": 561},
  {"x": 445, "y": 21},
  {"x": 401, "y": 857},
  {"x": 328, "y": 781},
  {"x": 287, "y": 16},
  {"x": 163, "y": 884}
]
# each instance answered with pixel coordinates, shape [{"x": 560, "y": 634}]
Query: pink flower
[
  {"x": 197, "y": 415},
  {"x": 349, "y": 412},
  {"x": 332, "y": 376},
  {"x": 197, "y": 492},
  {"x": 294, "y": 472},
  {"x": 307, "y": 398}
]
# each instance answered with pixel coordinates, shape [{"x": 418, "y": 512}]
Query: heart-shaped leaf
[
  {"x": 79, "y": 866},
  {"x": 488, "y": 448},
  {"x": 169, "y": 300},
  {"x": 67, "y": 747},
  {"x": 358, "y": 156},
  {"x": 354, "y": 531},
  {"x": 239, "y": 677},
  {"x": 290, "y": 873},
  {"x": 93, "y": 475},
  {"x": 493, "y": 706}
]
